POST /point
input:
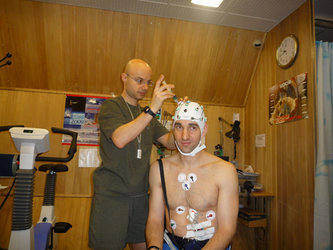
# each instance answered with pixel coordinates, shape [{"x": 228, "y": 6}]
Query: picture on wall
[
  {"x": 288, "y": 100},
  {"x": 81, "y": 116}
]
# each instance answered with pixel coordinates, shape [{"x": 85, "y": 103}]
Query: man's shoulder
[
  {"x": 112, "y": 104},
  {"x": 113, "y": 100},
  {"x": 217, "y": 163},
  {"x": 165, "y": 161},
  {"x": 171, "y": 159},
  {"x": 169, "y": 162}
]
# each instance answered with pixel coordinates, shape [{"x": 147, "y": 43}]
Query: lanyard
[{"x": 139, "y": 151}]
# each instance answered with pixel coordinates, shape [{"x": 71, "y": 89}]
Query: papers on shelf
[{"x": 249, "y": 174}]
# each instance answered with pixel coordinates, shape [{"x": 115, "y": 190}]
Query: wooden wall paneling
[
  {"x": 79, "y": 49},
  {"x": 54, "y": 34},
  {"x": 287, "y": 163}
]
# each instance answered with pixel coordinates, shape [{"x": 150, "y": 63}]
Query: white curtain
[{"x": 323, "y": 203}]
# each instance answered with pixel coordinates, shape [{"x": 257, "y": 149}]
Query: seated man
[{"x": 202, "y": 191}]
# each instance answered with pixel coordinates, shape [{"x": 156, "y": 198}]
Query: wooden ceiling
[{"x": 77, "y": 49}]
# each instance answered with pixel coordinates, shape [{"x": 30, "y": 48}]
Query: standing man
[
  {"x": 202, "y": 191},
  {"x": 120, "y": 203}
]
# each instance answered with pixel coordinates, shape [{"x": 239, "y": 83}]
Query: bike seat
[{"x": 53, "y": 167}]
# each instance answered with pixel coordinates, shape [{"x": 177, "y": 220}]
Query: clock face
[{"x": 287, "y": 51}]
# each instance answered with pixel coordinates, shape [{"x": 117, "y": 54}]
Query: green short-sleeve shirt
[{"x": 121, "y": 172}]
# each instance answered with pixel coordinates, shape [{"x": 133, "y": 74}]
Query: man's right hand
[{"x": 160, "y": 94}]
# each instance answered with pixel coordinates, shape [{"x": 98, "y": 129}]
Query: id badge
[{"x": 138, "y": 155}]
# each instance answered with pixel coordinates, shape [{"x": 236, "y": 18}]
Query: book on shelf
[{"x": 250, "y": 214}]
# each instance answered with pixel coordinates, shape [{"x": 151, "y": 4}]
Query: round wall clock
[{"x": 287, "y": 51}]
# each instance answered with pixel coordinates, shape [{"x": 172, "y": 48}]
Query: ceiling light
[{"x": 208, "y": 3}]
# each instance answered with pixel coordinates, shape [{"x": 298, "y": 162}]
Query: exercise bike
[{"x": 31, "y": 142}]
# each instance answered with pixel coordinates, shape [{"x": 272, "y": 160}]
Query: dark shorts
[
  {"x": 116, "y": 221},
  {"x": 186, "y": 244}
]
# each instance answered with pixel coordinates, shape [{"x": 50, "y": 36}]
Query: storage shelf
[
  {"x": 253, "y": 223},
  {"x": 257, "y": 196},
  {"x": 261, "y": 194}
]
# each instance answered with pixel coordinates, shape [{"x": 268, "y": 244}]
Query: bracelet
[{"x": 153, "y": 247}]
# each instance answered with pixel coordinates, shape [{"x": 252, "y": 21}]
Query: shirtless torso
[{"x": 193, "y": 195}]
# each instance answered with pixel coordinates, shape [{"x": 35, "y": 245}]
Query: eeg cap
[{"x": 190, "y": 111}]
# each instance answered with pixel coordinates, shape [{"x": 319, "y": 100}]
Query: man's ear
[
  {"x": 205, "y": 130},
  {"x": 124, "y": 77}
]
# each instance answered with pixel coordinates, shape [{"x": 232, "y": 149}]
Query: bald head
[
  {"x": 136, "y": 64},
  {"x": 135, "y": 73}
]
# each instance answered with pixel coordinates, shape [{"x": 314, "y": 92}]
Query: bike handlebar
[
  {"x": 71, "y": 151},
  {"x": 5, "y": 128}
]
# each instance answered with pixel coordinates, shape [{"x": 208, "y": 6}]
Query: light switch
[
  {"x": 235, "y": 117},
  {"x": 261, "y": 140}
]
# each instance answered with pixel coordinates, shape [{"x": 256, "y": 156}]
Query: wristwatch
[{"x": 147, "y": 110}]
